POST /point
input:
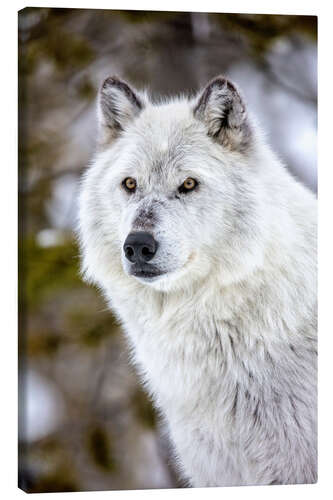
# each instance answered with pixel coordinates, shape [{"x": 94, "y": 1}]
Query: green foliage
[
  {"x": 90, "y": 328},
  {"x": 141, "y": 16},
  {"x": 144, "y": 409},
  {"x": 58, "y": 473},
  {"x": 100, "y": 448},
  {"x": 52, "y": 40},
  {"x": 59, "y": 481},
  {"x": 64, "y": 49},
  {"x": 44, "y": 270},
  {"x": 44, "y": 343},
  {"x": 260, "y": 30},
  {"x": 86, "y": 90}
]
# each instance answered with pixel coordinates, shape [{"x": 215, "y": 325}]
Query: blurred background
[{"x": 85, "y": 423}]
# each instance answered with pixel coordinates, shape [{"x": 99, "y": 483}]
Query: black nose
[{"x": 140, "y": 247}]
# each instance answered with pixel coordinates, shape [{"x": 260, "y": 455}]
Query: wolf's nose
[{"x": 140, "y": 247}]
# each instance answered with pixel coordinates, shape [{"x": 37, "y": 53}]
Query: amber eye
[
  {"x": 129, "y": 184},
  {"x": 188, "y": 185}
]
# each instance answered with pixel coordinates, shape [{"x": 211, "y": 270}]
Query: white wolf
[{"x": 205, "y": 247}]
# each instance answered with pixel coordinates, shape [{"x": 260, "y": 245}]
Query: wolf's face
[{"x": 172, "y": 190}]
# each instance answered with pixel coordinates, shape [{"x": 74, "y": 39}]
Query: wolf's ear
[
  {"x": 222, "y": 110},
  {"x": 118, "y": 104}
]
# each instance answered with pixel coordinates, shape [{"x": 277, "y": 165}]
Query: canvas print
[{"x": 167, "y": 250}]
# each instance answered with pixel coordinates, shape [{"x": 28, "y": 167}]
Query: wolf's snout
[{"x": 140, "y": 247}]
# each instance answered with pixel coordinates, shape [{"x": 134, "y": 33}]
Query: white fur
[{"x": 224, "y": 340}]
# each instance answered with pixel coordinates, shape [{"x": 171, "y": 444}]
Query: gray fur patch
[{"x": 146, "y": 217}]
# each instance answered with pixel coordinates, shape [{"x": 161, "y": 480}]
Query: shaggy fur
[{"x": 224, "y": 330}]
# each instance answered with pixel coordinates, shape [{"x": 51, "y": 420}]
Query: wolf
[{"x": 204, "y": 246}]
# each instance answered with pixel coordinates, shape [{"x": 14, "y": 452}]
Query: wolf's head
[{"x": 173, "y": 193}]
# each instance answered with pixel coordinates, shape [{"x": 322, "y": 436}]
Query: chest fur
[
  {"x": 195, "y": 355},
  {"x": 230, "y": 373}
]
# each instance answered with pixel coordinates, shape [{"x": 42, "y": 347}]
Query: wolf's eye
[
  {"x": 129, "y": 184},
  {"x": 188, "y": 185}
]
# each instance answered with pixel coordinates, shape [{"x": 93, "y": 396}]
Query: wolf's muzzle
[{"x": 139, "y": 247}]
